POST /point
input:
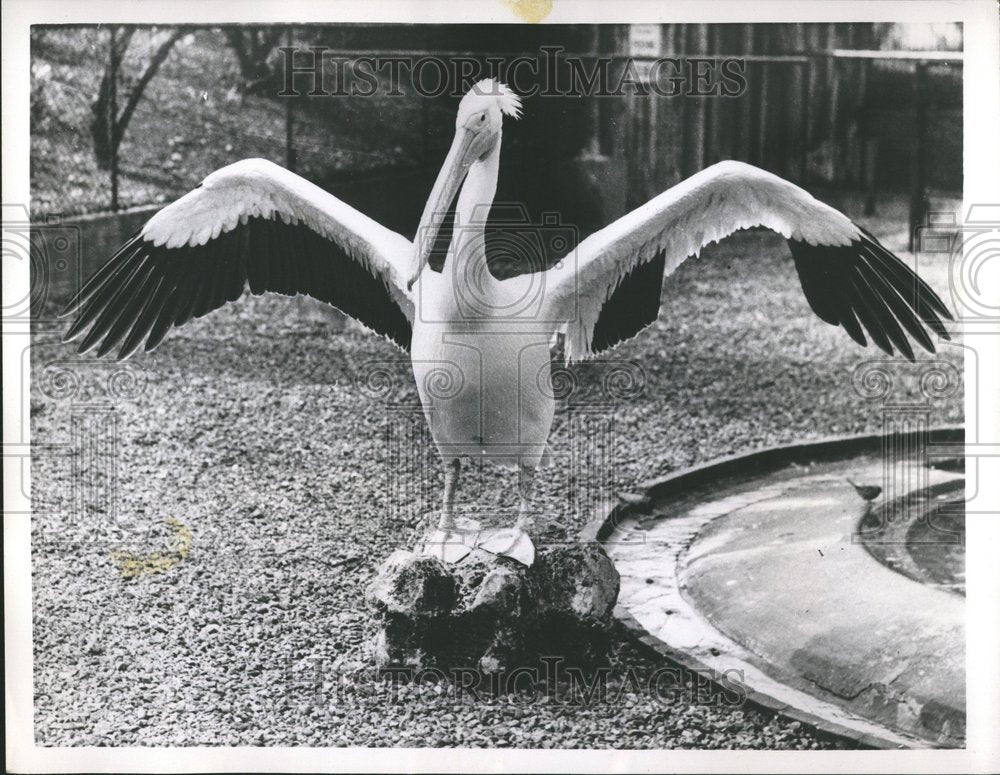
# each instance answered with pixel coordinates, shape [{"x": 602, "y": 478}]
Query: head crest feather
[{"x": 508, "y": 100}]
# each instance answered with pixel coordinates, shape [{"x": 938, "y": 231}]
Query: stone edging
[{"x": 756, "y": 462}]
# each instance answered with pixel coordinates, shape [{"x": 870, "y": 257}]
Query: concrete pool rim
[{"x": 749, "y": 465}]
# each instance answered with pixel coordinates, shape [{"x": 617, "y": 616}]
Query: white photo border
[{"x": 982, "y": 185}]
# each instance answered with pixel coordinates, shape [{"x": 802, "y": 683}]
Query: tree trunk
[
  {"x": 102, "y": 120},
  {"x": 107, "y": 130},
  {"x": 252, "y": 48}
]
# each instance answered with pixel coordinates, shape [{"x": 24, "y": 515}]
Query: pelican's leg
[
  {"x": 447, "y": 542},
  {"x": 515, "y": 542},
  {"x": 525, "y": 480},
  {"x": 451, "y": 472}
]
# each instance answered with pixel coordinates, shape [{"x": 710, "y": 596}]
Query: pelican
[{"x": 480, "y": 346}]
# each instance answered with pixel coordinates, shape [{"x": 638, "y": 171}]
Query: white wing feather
[
  {"x": 702, "y": 209},
  {"x": 260, "y": 188}
]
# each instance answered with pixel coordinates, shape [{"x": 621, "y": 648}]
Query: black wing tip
[
  {"x": 871, "y": 241},
  {"x": 124, "y": 355},
  {"x": 856, "y": 334},
  {"x": 111, "y": 318},
  {"x": 844, "y": 287},
  {"x": 103, "y": 348}
]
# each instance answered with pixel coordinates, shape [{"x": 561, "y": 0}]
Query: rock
[
  {"x": 487, "y": 581},
  {"x": 399, "y": 642},
  {"x": 579, "y": 579},
  {"x": 412, "y": 585},
  {"x": 492, "y": 612},
  {"x": 492, "y": 599},
  {"x": 506, "y": 649},
  {"x": 469, "y": 575},
  {"x": 500, "y": 591}
]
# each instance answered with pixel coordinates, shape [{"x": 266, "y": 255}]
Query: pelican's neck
[{"x": 467, "y": 258}]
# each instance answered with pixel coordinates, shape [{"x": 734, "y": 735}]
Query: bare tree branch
[
  {"x": 106, "y": 129},
  {"x": 124, "y": 37},
  {"x": 252, "y": 47},
  {"x": 154, "y": 64}
]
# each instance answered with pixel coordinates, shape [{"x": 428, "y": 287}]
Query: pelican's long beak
[{"x": 460, "y": 157}]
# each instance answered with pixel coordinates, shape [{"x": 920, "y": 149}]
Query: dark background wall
[{"x": 811, "y": 111}]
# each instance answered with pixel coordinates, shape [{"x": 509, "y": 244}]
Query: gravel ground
[{"x": 247, "y": 430}]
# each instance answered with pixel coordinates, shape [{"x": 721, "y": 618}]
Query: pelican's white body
[
  {"x": 481, "y": 363},
  {"x": 483, "y": 382}
]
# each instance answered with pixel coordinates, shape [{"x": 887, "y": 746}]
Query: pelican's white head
[
  {"x": 477, "y": 135},
  {"x": 486, "y": 103}
]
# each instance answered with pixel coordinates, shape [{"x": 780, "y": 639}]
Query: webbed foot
[
  {"x": 452, "y": 542},
  {"x": 510, "y": 542}
]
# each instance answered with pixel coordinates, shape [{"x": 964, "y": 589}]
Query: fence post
[
  {"x": 742, "y": 149},
  {"x": 594, "y": 143},
  {"x": 869, "y": 147},
  {"x": 762, "y": 114},
  {"x": 425, "y": 129},
  {"x": 918, "y": 179},
  {"x": 289, "y": 117},
  {"x": 805, "y": 100},
  {"x": 113, "y": 118},
  {"x": 694, "y": 109}
]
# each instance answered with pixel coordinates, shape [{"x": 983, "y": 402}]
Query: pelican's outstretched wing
[
  {"x": 251, "y": 223},
  {"x": 849, "y": 279}
]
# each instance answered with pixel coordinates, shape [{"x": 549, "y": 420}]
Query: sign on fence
[{"x": 645, "y": 40}]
